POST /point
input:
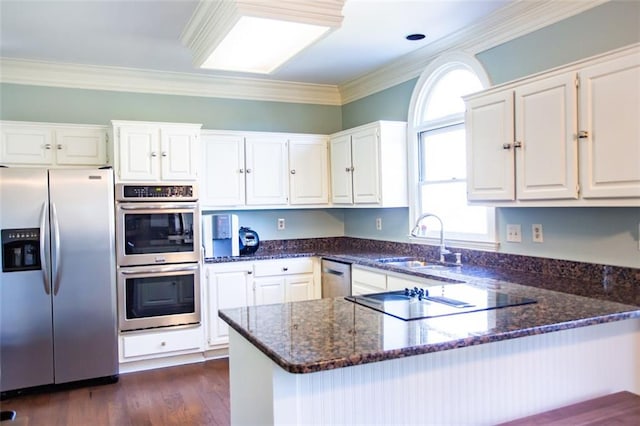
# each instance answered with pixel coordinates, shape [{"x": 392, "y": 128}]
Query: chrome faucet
[{"x": 416, "y": 228}]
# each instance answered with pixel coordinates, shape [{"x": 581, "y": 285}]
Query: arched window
[{"x": 437, "y": 149}]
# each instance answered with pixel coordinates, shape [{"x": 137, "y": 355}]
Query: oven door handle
[
  {"x": 159, "y": 270},
  {"x": 157, "y": 206}
]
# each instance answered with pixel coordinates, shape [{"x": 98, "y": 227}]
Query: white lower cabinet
[
  {"x": 228, "y": 285},
  {"x": 396, "y": 282},
  {"x": 284, "y": 280},
  {"x": 366, "y": 281},
  {"x": 141, "y": 345},
  {"x": 237, "y": 284}
]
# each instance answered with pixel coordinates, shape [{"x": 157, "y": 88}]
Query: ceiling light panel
[{"x": 256, "y": 35}]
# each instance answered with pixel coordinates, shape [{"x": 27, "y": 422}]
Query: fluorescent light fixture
[
  {"x": 262, "y": 45},
  {"x": 257, "y": 36}
]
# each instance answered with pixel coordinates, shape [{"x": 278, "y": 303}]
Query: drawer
[
  {"x": 369, "y": 278},
  {"x": 160, "y": 342},
  {"x": 300, "y": 265}
]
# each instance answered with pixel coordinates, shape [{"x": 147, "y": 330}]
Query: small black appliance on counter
[{"x": 249, "y": 240}]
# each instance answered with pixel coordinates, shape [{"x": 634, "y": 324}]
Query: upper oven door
[{"x": 157, "y": 233}]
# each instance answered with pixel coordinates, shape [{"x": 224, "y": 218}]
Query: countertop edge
[{"x": 359, "y": 359}]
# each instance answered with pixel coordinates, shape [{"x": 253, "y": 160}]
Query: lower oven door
[{"x": 158, "y": 296}]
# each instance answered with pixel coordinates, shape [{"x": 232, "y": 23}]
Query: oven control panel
[{"x": 132, "y": 192}]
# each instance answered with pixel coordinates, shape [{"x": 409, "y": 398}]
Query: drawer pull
[
  {"x": 285, "y": 269},
  {"x": 163, "y": 344}
]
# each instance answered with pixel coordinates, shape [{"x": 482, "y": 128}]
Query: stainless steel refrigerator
[{"x": 58, "y": 282}]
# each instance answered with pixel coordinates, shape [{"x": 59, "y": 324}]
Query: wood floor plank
[{"x": 195, "y": 394}]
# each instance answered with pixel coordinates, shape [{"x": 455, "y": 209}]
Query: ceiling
[{"x": 145, "y": 34}]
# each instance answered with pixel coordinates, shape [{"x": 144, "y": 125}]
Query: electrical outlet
[
  {"x": 379, "y": 223},
  {"x": 536, "y": 233},
  {"x": 514, "y": 233},
  {"x": 281, "y": 224}
]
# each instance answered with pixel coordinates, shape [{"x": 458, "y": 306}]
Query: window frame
[{"x": 415, "y": 126}]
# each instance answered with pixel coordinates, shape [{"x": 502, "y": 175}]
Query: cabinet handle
[
  {"x": 248, "y": 170},
  {"x": 47, "y": 146},
  {"x": 517, "y": 144},
  {"x": 164, "y": 154},
  {"x": 293, "y": 172},
  {"x": 348, "y": 169},
  {"x": 154, "y": 154},
  {"x": 506, "y": 146},
  {"x": 249, "y": 272},
  {"x": 241, "y": 171},
  {"x": 163, "y": 343},
  {"x": 59, "y": 146},
  {"x": 583, "y": 134},
  {"x": 285, "y": 269}
]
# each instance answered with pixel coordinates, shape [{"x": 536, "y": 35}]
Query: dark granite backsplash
[{"x": 614, "y": 283}]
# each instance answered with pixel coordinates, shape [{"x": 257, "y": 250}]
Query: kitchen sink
[{"x": 414, "y": 263}]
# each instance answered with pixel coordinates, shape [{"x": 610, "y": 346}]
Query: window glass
[
  {"x": 445, "y": 98},
  {"x": 443, "y": 154},
  {"x": 440, "y": 150}
]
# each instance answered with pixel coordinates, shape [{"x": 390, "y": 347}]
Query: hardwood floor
[{"x": 195, "y": 394}]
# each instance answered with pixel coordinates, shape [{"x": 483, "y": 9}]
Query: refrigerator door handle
[
  {"x": 43, "y": 254},
  {"x": 56, "y": 249}
]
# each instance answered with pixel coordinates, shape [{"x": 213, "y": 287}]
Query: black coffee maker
[{"x": 249, "y": 240}]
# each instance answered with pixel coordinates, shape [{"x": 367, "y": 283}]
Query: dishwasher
[{"x": 336, "y": 278}]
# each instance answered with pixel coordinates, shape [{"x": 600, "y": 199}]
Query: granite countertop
[{"x": 317, "y": 335}]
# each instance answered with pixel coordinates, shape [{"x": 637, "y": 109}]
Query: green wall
[
  {"x": 597, "y": 235},
  {"x": 61, "y": 105}
]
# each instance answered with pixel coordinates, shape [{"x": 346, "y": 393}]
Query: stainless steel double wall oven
[{"x": 158, "y": 253}]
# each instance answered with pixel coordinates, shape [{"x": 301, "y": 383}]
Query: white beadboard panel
[{"x": 483, "y": 384}]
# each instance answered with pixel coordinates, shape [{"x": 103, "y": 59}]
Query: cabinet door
[
  {"x": 364, "y": 281},
  {"x": 341, "y": 174},
  {"x": 308, "y": 170},
  {"x": 490, "y": 137},
  {"x": 609, "y": 114},
  {"x": 27, "y": 145},
  {"x": 298, "y": 288},
  {"x": 547, "y": 158},
  {"x": 222, "y": 170},
  {"x": 179, "y": 154},
  {"x": 87, "y": 147},
  {"x": 365, "y": 157},
  {"x": 269, "y": 290},
  {"x": 226, "y": 290},
  {"x": 267, "y": 170},
  {"x": 138, "y": 153}
]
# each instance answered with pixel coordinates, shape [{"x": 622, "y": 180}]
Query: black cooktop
[{"x": 436, "y": 301}]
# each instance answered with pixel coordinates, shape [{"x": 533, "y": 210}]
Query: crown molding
[
  {"x": 512, "y": 21},
  {"x": 42, "y": 73},
  {"x": 508, "y": 23}
]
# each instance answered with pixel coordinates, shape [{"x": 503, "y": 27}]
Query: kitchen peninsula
[{"x": 331, "y": 361}]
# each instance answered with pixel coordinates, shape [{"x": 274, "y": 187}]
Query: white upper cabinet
[
  {"x": 52, "y": 145},
  {"x": 267, "y": 170},
  {"x": 341, "y": 169},
  {"x": 539, "y": 160},
  {"x": 223, "y": 171},
  {"x": 567, "y": 137},
  {"x": 490, "y": 137},
  {"x": 308, "y": 170},
  {"x": 610, "y": 128},
  {"x": 147, "y": 151},
  {"x": 369, "y": 165},
  {"x": 545, "y": 146},
  {"x": 261, "y": 169}
]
